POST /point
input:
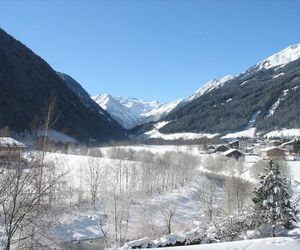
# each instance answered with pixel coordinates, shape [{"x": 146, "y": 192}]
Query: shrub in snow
[
  {"x": 272, "y": 201},
  {"x": 141, "y": 243}
]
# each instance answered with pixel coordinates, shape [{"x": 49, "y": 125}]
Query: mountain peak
[
  {"x": 283, "y": 57},
  {"x": 210, "y": 85}
]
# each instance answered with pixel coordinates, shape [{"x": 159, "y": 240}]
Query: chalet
[
  {"x": 274, "y": 143},
  {"x": 253, "y": 149},
  {"x": 288, "y": 146},
  {"x": 10, "y": 148},
  {"x": 234, "y": 153},
  {"x": 222, "y": 148},
  {"x": 272, "y": 153},
  {"x": 234, "y": 144}
]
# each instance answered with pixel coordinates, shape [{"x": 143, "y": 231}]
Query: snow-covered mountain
[
  {"x": 283, "y": 57},
  {"x": 268, "y": 91},
  {"x": 130, "y": 112},
  {"x": 127, "y": 117}
]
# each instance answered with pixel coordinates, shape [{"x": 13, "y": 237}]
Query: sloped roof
[
  {"x": 271, "y": 148},
  {"x": 287, "y": 143},
  {"x": 230, "y": 151},
  {"x": 10, "y": 142}
]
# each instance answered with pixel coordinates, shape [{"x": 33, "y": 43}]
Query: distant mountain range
[
  {"x": 265, "y": 97},
  {"x": 27, "y": 83},
  {"x": 131, "y": 112}
]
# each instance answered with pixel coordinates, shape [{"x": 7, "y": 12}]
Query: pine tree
[{"x": 272, "y": 201}]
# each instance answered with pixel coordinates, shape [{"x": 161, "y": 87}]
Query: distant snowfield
[
  {"x": 279, "y": 243},
  {"x": 248, "y": 133},
  {"x": 155, "y": 134},
  {"x": 289, "y": 133}
]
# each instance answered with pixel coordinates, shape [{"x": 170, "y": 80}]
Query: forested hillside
[
  {"x": 27, "y": 83},
  {"x": 273, "y": 94}
]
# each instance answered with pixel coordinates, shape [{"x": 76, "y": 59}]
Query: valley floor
[{"x": 82, "y": 223}]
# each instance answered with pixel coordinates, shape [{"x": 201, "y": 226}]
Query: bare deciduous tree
[
  {"x": 94, "y": 177},
  {"x": 21, "y": 198}
]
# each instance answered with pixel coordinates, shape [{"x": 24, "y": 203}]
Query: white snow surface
[
  {"x": 121, "y": 113},
  {"x": 276, "y": 104},
  {"x": 155, "y": 134},
  {"x": 248, "y": 132},
  {"x": 85, "y": 224},
  {"x": 279, "y": 243},
  {"x": 287, "y": 133},
  {"x": 56, "y": 136},
  {"x": 281, "y": 58},
  {"x": 10, "y": 142}
]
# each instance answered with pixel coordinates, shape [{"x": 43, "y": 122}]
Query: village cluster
[{"x": 279, "y": 148}]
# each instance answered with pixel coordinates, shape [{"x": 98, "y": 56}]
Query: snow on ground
[
  {"x": 181, "y": 201},
  {"x": 249, "y": 133},
  {"x": 76, "y": 166},
  {"x": 85, "y": 224},
  {"x": 276, "y": 104},
  {"x": 159, "y": 125},
  {"x": 154, "y": 133},
  {"x": 156, "y": 149},
  {"x": 56, "y": 136},
  {"x": 279, "y": 243},
  {"x": 295, "y": 169},
  {"x": 249, "y": 130},
  {"x": 10, "y": 142},
  {"x": 287, "y": 133},
  {"x": 278, "y": 75},
  {"x": 79, "y": 226}
]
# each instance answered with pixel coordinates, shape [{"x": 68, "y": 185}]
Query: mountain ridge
[
  {"x": 280, "y": 68},
  {"x": 27, "y": 83}
]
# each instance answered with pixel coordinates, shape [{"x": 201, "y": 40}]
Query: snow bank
[
  {"x": 56, "y": 136},
  {"x": 10, "y": 142},
  {"x": 249, "y": 133},
  {"x": 79, "y": 226},
  {"x": 278, "y": 243},
  {"x": 155, "y": 134},
  {"x": 287, "y": 133}
]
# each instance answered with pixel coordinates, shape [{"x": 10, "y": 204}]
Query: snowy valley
[{"x": 83, "y": 167}]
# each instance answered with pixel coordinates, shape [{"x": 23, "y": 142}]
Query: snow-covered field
[
  {"x": 287, "y": 133},
  {"x": 81, "y": 224}
]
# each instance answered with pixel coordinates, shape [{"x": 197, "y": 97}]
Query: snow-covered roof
[
  {"x": 230, "y": 151},
  {"x": 287, "y": 143},
  {"x": 10, "y": 142},
  {"x": 270, "y": 148}
]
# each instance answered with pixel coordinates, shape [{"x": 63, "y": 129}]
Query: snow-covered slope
[
  {"x": 130, "y": 112},
  {"x": 278, "y": 243},
  {"x": 122, "y": 114},
  {"x": 209, "y": 86},
  {"x": 138, "y": 106},
  {"x": 283, "y": 57}
]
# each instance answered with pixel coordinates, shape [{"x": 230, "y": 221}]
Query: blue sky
[{"x": 149, "y": 49}]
